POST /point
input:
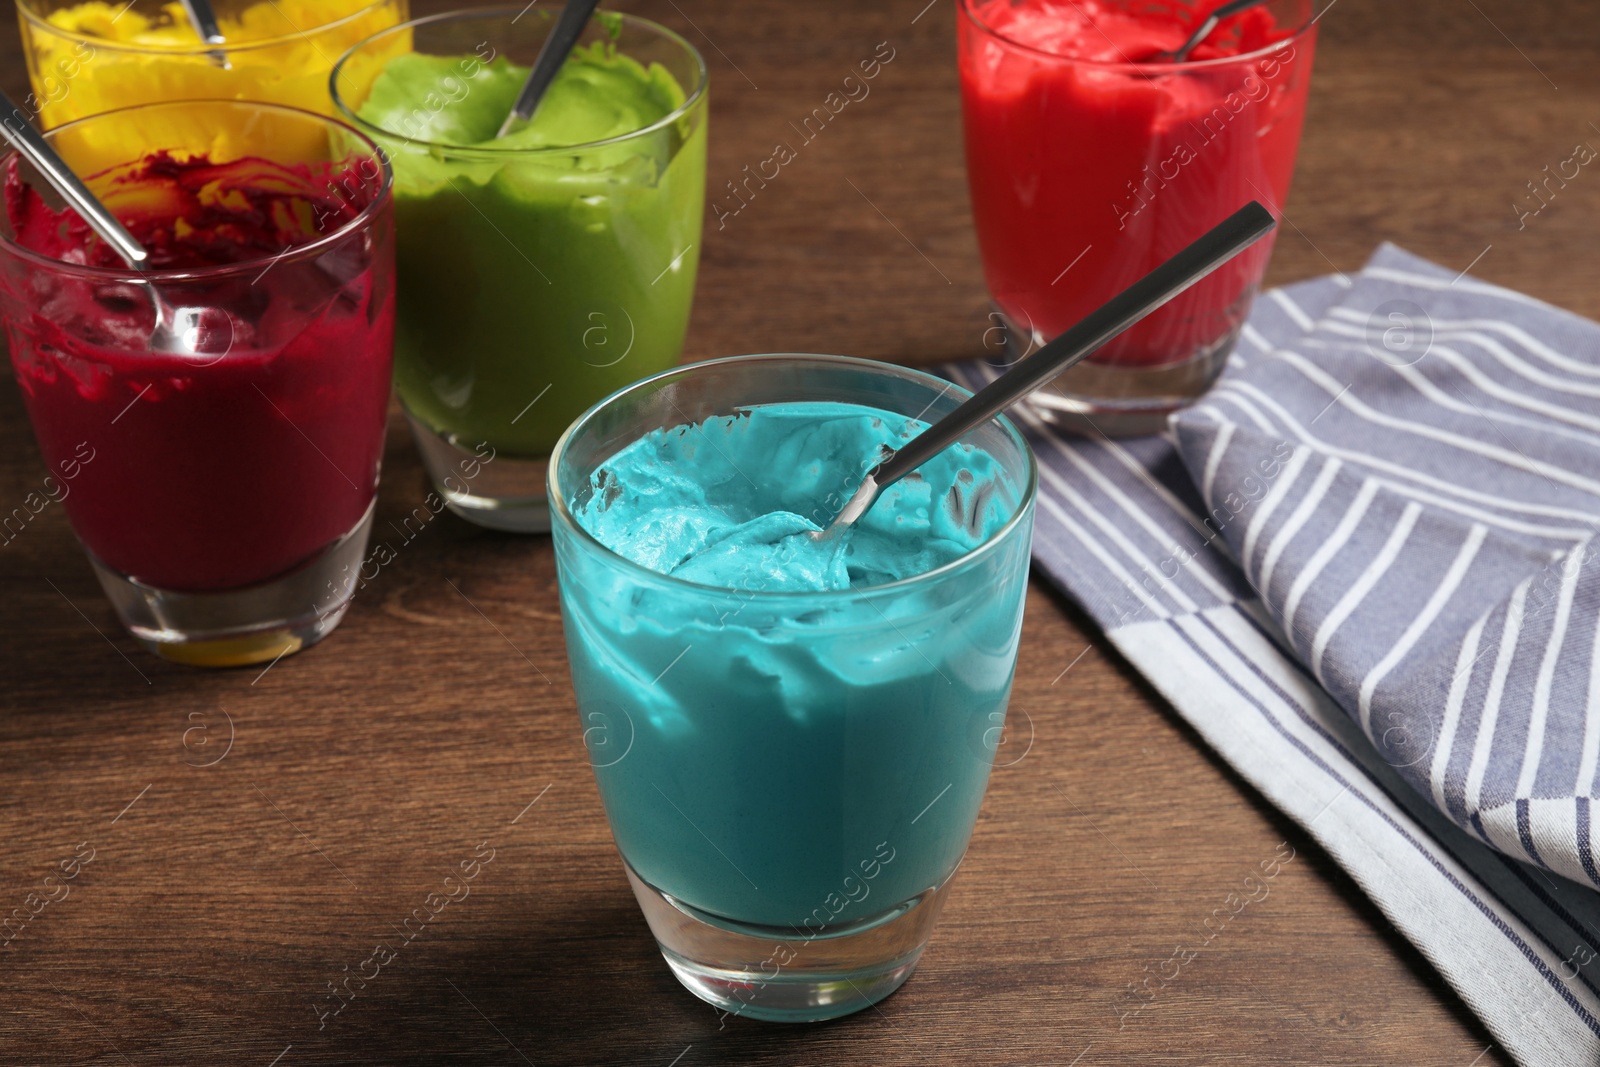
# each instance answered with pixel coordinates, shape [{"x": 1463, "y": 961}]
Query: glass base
[
  {"x": 239, "y": 627},
  {"x": 1118, "y": 401},
  {"x": 789, "y": 975},
  {"x": 498, "y": 492}
]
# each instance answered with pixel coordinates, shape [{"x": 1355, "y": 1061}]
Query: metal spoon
[
  {"x": 553, "y": 53},
  {"x": 1211, "y": 22},
  {"x": 176, "y": 330},
  {"x": 204, "y": 21},
  {"x": 1214, "y": 248},
  {"x": 36, "y": 150}
]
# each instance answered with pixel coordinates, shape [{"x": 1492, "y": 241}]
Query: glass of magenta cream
[
  {"x": 224, "y": 409},
  {"x": 89, "y": 56},
  {"x": 539, "y": 270},
  {"x": 791, "y": 735},
  {"x": 1092, "y": 157}
]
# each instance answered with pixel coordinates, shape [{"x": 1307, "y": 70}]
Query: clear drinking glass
[
  {"x": 88, "y": 57},
  {"x": 217, "y": 431},
  {"x": 791, "y": 778},
  {"x": 1086, "y": 174},
  {"x": 532, "y": 281}
]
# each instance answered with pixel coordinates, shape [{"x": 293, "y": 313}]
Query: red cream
[
  {"x": 232, "y": 465},
  {"x": 1090, "y": 162}
]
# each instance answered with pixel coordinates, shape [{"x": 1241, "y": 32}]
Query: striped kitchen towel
[{"x": 1364, "y": 568}]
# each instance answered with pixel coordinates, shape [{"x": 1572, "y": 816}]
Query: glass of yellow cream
[{"x": 89, "y": 56}]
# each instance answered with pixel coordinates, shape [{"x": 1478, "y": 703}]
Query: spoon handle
[
  {"x": 553, "y": 53},
  {"x": 1214, "y": 248},
  {"x": 203, "y": 17},
  {"x": 36, "y": 150},
  {"x": 204, "y": 20},
  {"x": 1211, "y": 22}
]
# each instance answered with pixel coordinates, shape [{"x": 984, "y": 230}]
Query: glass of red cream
[
  {"x": 1092, "y": 157},
  {"x": 223, "y": 411}
]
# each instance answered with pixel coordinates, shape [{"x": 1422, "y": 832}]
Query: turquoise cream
[{"x": 786, "y": 732}]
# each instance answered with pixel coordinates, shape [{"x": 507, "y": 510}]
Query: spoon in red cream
[{"x": 1207, "y": 26}]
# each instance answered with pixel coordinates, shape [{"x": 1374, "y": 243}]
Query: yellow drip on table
[{"x": 85, "y": 58}]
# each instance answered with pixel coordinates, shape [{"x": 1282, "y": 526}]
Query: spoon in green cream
[
  {"x": 568, "y": 28},
  {"x": 1214, "y": 248}
]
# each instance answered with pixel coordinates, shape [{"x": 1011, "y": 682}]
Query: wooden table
[{"x": 223, "y": 898}]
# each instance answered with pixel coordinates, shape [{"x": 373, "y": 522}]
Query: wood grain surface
[{"x": 256, "y": 833}]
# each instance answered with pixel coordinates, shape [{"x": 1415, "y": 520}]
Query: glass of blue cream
[{"x": 791, "y": 737}]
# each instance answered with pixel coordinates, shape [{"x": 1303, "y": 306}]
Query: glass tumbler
[
  {"x": 533, "y": 281},
  {"x": 1085, "y": 174},
  {"x": 219, "y": 427},
  {"x": 86, "y": 56},
  {"x": 791, "y": 778}
]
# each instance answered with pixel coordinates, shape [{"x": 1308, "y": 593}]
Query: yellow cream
[{"x": 96, "y": 56}]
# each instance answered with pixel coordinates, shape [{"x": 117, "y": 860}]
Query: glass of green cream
[{"x": 543, "y": 270}]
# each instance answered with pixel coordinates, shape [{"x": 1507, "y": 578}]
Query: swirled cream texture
[
  {"x": 732, "y": 502},
  {"x": 95, "y": 56}
]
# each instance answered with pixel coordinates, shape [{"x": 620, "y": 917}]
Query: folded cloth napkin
[{"x": 1364, "y": 568}]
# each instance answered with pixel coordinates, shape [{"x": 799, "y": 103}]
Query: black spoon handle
[
  {"x": 204, "y": 20},
  {"x": 1214, "y": 248},
  {"x": 569, "y": 26}
]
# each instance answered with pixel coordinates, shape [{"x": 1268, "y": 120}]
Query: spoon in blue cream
[{"x": 1211, "y": 250}]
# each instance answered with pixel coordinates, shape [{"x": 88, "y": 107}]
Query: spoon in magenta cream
[
  {"x": 1214, "y": 248},
  {"x": 177, "y": 330},
  {"x": 36, "y": 150}
]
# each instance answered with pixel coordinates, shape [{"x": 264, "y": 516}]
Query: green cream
[{"x": 539, "y": 271}]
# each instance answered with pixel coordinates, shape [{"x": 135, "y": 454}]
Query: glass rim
[
  {"x": 1299, "y": 33},
  {"x": 200, "y": 49},
  {"x": 561, "y": 514},
  {"x": 691, "y": 99},
  {"x": 9, "y": 244}
]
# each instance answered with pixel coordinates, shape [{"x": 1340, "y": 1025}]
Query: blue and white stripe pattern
[{"x": 1364, "y": 569}]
